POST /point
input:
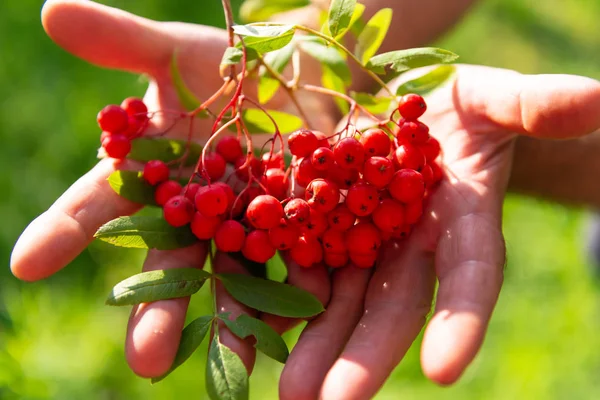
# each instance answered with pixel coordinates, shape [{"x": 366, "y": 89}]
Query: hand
[
  {"x": 115, "y": 39},
  {"x": 371, "y": 321}
]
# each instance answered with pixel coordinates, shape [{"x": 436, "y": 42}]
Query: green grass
[{"x": 59, "y": 341}]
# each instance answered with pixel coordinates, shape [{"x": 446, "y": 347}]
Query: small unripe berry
[
  {"x": 302, "y": 143},
  {"x": 258, "y": 247},
  {"x": 113, "y": 119},
  {"x": 165, "y": 191},
  {"x": 376, "y": 142},
  {"x": 412, "y": 106},
  {"x": 178, "y": 211},
  {"x": 155, "y": 171},
  {"x": 230, "y": 236},
  {"x": 116, "y": 146},
  {"x": 264, "y": 212},
  {"x": 229, "y": 148}
]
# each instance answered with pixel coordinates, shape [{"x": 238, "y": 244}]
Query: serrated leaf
[
  {"x": 331, "y": 81},
  {"x": 262, "y": 10},
  {"x": 340, "y": 14},
  {"x": 131, "y": 186},
  {"x": 375, "y": 104},
  {"x": 157, "y": 285},
  {"x": 263, "y": 39},
  {"x": 191, "y": 337},
  {"x": 232, "y": 56},
  {"x": 403, "y": 60},
  {"x": 187, "y": 99},
  {"x": 372, "y": 35},
  {"x": 145, "y": 233},
  {"x": 257, "y": 122},
  {"x": 163, "y": 149},
  {"x": 329, "y": 57},
  {"x": 427, "y": 82},
  {"x": 272, "y": 297},
  {"x": 267, "y": 340},
  {"x": 226, "y": 376}
]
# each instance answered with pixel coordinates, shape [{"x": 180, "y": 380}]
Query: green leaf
[
  {"x": 427, "y": 82},
  {"x": 403, "y": 60},
  {"x": 157, "y": 285},
  {"x": 356, "y": 23},
  {"x": 226, "y": 376},
  {"x": 267, "y": 87},
  {"x": 340, "y": 15},
  {"x": 328, "y": 56},
  {"x": 232, "y": 55},
  {"x": 191, "y": 337},
  {"x": 331, "y": 81},
  {"x": 267, "y": 340},
  {"x": 373, "y": 34},
  {"x": 163, "y": 149},
  {"x": 131, "y": 186},
  {"x": 272, "y": 297},
  {"x": 263, "y": 39},
  {"x": 262, "y": 10},
  {"x": 375, "y": 104},
  {"x": 257, "y": 122},
  {"x": 187, "y": 99},
  {"x": 277, "y": 60},
  {"x": 358, "y": 12},
  {"x": 145, "y": 233}
]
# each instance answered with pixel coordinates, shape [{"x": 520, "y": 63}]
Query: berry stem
[{"x": 350, "y": 100}]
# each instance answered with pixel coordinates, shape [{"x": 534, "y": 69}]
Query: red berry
[
  {"x": 242, "y": 170},
  {"x": 211, "y": 200},
  {"x": 116, "y": 146},
  {"x": 205, "y": 227},
  {"x": 344, "y": 178},
  {"x": 323, "y": 141},
  {"x": 214, "y": 165},
  {"x": 349, "y": 154},
  {"x": 306, "y": 252},
  {"x": 165, "y": 191},
  {"x": 264, "y": 212},
  {"x": 302, "y": 143},
  {"x": 323, "y": 195},
  {"x": 413, "y": 212},
  {"x": 305, "y": 172},
  {"x": 316, "y": 225},
  {"x": 230, "y": 236},
  {"x": 438, "y": 172},
  {"x": 276, "y": 183},
  {"x": 272, "y": 160},
  {"x": 229, "y": 148},
  {"x": 363, "y": 260},
  {"x": 427, "y": 174},
  {"x": 409, "y": 156},
  {"x": 388, "y": 216},
  {"x": 258, "y": 247},
  {"x": 251, "y": 193},
  {"x": 413, "y": 132},
  {"x": 407, "y": 186},
  {"x": 284, "y": 236},
  {"x": 412, "y": 106},
  {"x": 378, "y": 171},
  {"x": 376, "y": 142},
  {"x": 113, "y": 119},
  {"x": 336, "y": 260},
  {"x": 133, "y": 127},
  {"x": 190, "y": 191},
  {"x": 322, "y": 159},
  {"x": 104, "y": 135},
  {"x": 430, "y": 149},
  {"x": 178, "y": 211},
  {"x": 334, "y": 241},
  {"x": 155, "y": 171},
  {"x": 136, "y": 108},
  {"x": 297, "y": 212},
  {"x": 362, "y": 199},
  {"x": 228, "y": 191},
  {"x": 341, "y": 218},
  {"x": 363, "y": 238},
  {"x": 402, "y": 232}
]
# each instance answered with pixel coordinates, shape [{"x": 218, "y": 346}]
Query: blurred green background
[{"x": 58, "y": 340}]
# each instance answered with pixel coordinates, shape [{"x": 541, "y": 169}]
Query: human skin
[{"x": 372, "y": 317}]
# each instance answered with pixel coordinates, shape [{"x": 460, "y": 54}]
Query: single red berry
[
  {"x": 113, "y": 119},
  {"x": 349, "y": 154},
  {"x": 302, "y": 143},
  {"x": 323, "y": 141},
  {"x": 230, "y": 236},
  {"x": 165, "y": 191},
  {"x": 389, "y": 215},
  {"x": 136, "y": 108},
  {"x": 413, "y": 212},
  {"x": 284, "y": 236},
  {"x": 238, "y": 206},
  {"x": 414, "y": 132},
  {"x": 412, "y": 106},
  {"x": 264, "y": 212},
  {"x": 203, "y": 227},
  {"x": 430, "y": 149},
  {"x": 362, "y": 199},
  {"x": 378, "y": 171},
  {"x": 276, "y": 183},
  {"x": 402, "y": 232},
  {"x": 229, "y": 148},
  {"x": 242, "y": 169},
  {"x": 438, "y": 172},
  {"x": 376, "y": 142},
  {"x": 407, "y": 186},
  {"x": 214, "y": 165},
  {"x": 306, "y": 252},
  {"x": 316, "y": 225},
  {"x": 133, "y": 127},
  {"x": 117, "y": 146},
  {"x": 427, "y": 174},
  {"x": 363, "y": 238},
  {"x": 211, "y": 200},
  {"x": 305, "y": 172},
  {"x": 178, "y": 211},
  {"x": 341, "y": 218},
  {"x": 272, "y": 160},
  {"x": 344, "y": 178},
  {"x": 155, "y": 171},
  {"x": 322, "y": 194},
  {"x": 409, "y": 156},
  {"x": 335, "y": 260},
  {"x": 363, "y": 260},
  {"x": 190, "y": 191},
  {"x": 258, "y": 247},
  {"x": 251, "y": 193},
  {"x": 322, "y": 159},
  {"x": 297, "y": 212},
  {"x": 334, "y": 241},
  {"x": 228, "y": 191}
]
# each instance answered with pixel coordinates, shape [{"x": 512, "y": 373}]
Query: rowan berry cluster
[{"x": 121, "y": 124}]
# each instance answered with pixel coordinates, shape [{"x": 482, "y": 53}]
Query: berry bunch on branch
[{"x": 328, "y": 199}]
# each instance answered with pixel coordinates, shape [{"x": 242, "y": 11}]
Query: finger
[
  {"x": 324, "y": 338},
  {"x": 396, "y": 304},
  {"x": 154, "y": 329},
  {"x": 57, "y": 236},
  {"x": 470, "y": 277}
]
